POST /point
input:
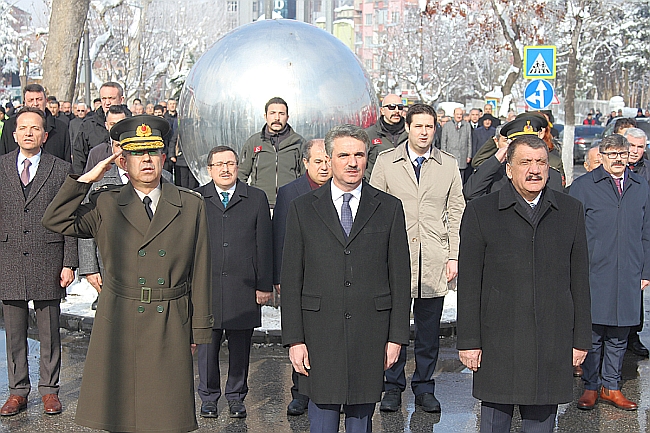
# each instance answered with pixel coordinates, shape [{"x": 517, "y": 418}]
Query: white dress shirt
[
  {"x": 153, "y": 195},
  {"x": 35, "y": 160},
  {"x": 337, "y": 198}
]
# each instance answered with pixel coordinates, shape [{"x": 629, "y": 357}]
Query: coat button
[
  {"x": 348, "y": 316},
  {"x": 141, "y": 280},
  {"x": 161, "y": 281},
  {"x": 160, "y": 308},
  {"x": 140, "y": 309},
  {"x": 346, "y": 252},
  {"x": 142, "y": 253},
  {"x": 225, "y": 215},
  {"x": 414, "y": 240},
  {"x": 25, "y": 231},
  {"x": 162, "y": 253},
  {"x": 224, "y": 274},
  {"x": 225, "y": 244},
  {"x": 25, "y": 253},
  {"x": 348, "y": 284}
]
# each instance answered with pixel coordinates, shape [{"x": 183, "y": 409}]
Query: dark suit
[
  {"x": 32, "y": 259},
  {"x": 57, "y": 143},
  {"x": 286, "y": 194},
  {"x": 345, "y": 298},
  {"x": 242, "y": 261}
]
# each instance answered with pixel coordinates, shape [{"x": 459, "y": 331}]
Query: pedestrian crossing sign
[{"x": 539, "y": 62}]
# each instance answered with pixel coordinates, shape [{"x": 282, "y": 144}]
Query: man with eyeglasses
[
  {"x": 617, "y": 217},
  {"x": 239, "y": 225},
  {"x": 388, "y": 132},
  {"x": 156, "y": 301}
]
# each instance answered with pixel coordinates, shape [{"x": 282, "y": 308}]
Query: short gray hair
[
  {"x": 340, "y": 131},
  {"x": 614, "y": 141},
  {"x": 306, "y": 148},
  {"x": 635, "y": 133}
]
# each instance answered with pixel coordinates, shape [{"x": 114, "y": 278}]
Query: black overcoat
[
  {"x": 32, "y": 257},
  {"x": 57, "y": 143},
  {"x": 345, "y": 299},
  {"x": 242, "y": 254},
  {"x": 523, "y": 296}
]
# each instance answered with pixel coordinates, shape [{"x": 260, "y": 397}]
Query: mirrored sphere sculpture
[{"x": 222, "y": 101}]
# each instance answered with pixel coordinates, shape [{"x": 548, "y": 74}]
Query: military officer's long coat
[{"x": 138, "y": 374}]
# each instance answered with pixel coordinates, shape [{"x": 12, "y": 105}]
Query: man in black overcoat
[
  {"x": 239, "y": 223},
  {"x": 318, "y": 171},
  {"x": 523, "y": 294},
  {"x": 345, "y": 288},
  {"x": 37, "y": 263}
]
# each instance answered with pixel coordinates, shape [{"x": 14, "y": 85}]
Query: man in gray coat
[
  {"x": 456, "y": 139},
  {"x": 617, "y": 216},
  {"x": 345, "y": 288},
  {"x": 37, "y": 263}
]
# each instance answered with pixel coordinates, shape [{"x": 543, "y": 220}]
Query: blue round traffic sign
[{"x": 539, "y": 94}]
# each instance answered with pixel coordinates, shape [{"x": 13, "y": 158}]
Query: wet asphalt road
[{"x": 269, "y": 395}]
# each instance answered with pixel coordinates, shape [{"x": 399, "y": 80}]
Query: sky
[{"x": 38, "y": 9}]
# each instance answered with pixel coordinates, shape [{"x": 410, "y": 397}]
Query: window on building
[
  {"x": 368, "y": 41},
  {"x": 368, "y": 19},
  {"x": 395, "y": 17},
  {"x": 256, "y": 6},
  {"x": 368, "y": 64},
  {"x": 232, "y": 6}
]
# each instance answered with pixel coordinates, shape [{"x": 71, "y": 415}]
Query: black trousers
[
  {"x": 16, "y": 317},
  {"x": 184, "y": 177},
  {"x": 239, "y": 350},
  {"x": 497, "y": 418}
]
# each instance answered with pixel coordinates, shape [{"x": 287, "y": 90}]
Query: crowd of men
[{"x": 355, "y": 231}]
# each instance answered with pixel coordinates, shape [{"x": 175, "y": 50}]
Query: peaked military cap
[
  {"x": 524, "y": 124},
  {"x": 143, "y": 132}
]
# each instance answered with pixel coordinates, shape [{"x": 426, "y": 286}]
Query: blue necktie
[
  {"x": 224, "y": 200},
  {"x": 418, "y": 166},
  {"x": 346, "y": 214}
]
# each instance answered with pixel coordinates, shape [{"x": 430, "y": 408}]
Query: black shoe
[
  {"x": 298, "y": 406},
  {"x": 428, "y": 401},
  {"x": 392, "y": 400},
  {"x": 209, "y": 409},
  {"x": 638, "y": 348},
  {"x": 94, "y": 304},
  {"x": 237, "y": 409}
]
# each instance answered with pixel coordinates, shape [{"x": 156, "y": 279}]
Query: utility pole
[{"x": 88, "y": 70}]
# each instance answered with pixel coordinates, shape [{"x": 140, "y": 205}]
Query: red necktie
[{"x": 618, "y": 186}]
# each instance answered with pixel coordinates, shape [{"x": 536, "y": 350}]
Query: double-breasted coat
[
  {"x": 523, "y": 296},
  {"x": 156, "y": 300},
  {"x": 345, "y": 299},
  {"x": 32, "y": 257},
  {"x": 242, "y": 254},
  {"x": 433, "y": 208},
  {"x": 618, "y": 235}
]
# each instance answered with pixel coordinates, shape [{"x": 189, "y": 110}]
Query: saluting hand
[{"x": 98, "y": 171}]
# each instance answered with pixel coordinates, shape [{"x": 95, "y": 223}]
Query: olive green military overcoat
[{"x": 156, "y": 301}]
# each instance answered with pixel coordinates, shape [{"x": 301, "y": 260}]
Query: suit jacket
[
  {"x": 242, "y": 257},
  {"x": 156, "y": 300},
  {"x": 433, "y": 206},
  {"x": 32, "y": 257},
  {"x": 345, "y": 298},
  {"x": 523, "y": 296},
  {"x": 286, "y": 194}
]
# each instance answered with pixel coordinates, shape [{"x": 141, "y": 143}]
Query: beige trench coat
[
  {"x": 433, "y": 210},
  {"x": 138, "y": 374}
]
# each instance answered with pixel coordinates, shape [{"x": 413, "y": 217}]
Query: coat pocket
[
  {"x": 384, "y": 302},
  {"x": 310, "y": 302}
]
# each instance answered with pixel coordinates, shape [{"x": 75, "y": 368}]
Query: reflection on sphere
[{"x": 222, "y": 102}]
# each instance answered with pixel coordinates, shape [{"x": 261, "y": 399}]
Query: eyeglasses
[
  {"x": 613, "y": 155},
  {"x": 150, "y": 152},
  {"x": 394, "y": 106},
  {"x": 229, "y": 164}
]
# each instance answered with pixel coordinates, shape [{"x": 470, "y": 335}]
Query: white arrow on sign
[{"x": 537, "y": 98}]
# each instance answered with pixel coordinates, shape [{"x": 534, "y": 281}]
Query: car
[
  {"x": 641, "y": 123},
  {"x": 584, "y": 137}
]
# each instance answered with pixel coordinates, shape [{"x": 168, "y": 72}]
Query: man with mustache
[
  {"x": 617, "y": 216},
  {"x": 388, "y": 132},
  {"x": 272, "y": 158},
  {"x": 523, "y": 294}
]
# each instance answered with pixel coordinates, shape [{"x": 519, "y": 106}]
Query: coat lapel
[
  {"x": 241, "y": 190},
  {"x": 327, "y": 212},
  {"x": 169, "y": 207},
  {"x": 402, "y": 158},
  {"x": 367, "y": 207},
  {"x": 45, "y": 167},
  {"x": 11, "y": 170},
  {"x": 133, "y": 210}
]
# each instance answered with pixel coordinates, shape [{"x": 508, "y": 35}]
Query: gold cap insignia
[
  {"x": 143, "y": 130},
  {"x": 528, "y": 129}
]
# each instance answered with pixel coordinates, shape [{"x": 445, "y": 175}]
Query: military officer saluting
[{"x": 156, "y": 301}]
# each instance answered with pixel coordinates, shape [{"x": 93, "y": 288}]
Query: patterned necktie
[
  {"x": 225, "y": 199},
  {"x": 418, "y": 166},
  {"x": 147, "y": 201},
  {"x": 24, "y": 176},
  {"x": 346, "y": 214},
  {"x": 618, "y": 186}
]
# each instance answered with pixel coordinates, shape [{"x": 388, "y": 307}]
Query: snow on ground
[{"x": 81, "y": 295}]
